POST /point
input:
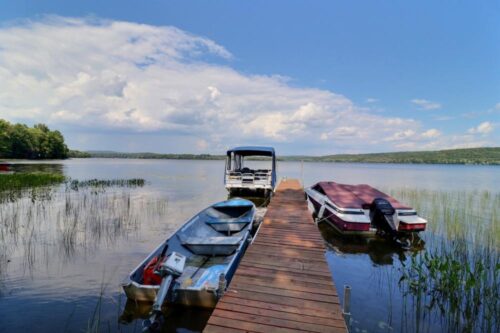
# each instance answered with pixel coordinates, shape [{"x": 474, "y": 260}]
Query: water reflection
[
  {"x": 37, "y": 167},
  {"x": 259, "y": 201},
  {"x": 380, "y": 250},
  {"x": 175, "y": 318}
]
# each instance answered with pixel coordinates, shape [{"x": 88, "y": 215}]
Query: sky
[{"x": 307, "y": 77}]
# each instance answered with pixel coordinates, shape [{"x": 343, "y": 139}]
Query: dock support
[{"x": 347, "y": 305}]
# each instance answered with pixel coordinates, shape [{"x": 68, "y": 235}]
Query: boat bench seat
[
  {"x": 215, "y": 240},
  {"x": 215, "y": 246}
]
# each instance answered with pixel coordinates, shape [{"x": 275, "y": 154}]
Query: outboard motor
[{"x": 382, "y": 216}]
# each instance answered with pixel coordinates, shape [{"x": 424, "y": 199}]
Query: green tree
[
  {"x": 41, "y": 140},
  {"x": 22, "y": 142},
  {"x": 5, "y": 140},
  {"x": 38, "y": 142},
  {"x": 56, "y": 145}
]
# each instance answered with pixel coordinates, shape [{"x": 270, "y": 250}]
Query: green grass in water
[
  {"x": 459, "y": 272},
  {"x": 40, "y": 185},
  {"x": 17, "y": 181},
  {"x": 102, "y": 183},
  {"x": 29, "y": 180}
]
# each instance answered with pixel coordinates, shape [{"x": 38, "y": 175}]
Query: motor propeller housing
[
  {"x": 169, "y": 270},
  {"x": 382, "y": 216}
]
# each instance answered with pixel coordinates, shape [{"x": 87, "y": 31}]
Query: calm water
[{"x": 58, "y": 273}]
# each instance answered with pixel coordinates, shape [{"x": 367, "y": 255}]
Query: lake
[{"x": 63, "y": 253}]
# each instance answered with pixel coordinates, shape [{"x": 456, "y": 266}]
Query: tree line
[
  {"x": 486, "y": 155},
  {"x": 37, "y": 142}
]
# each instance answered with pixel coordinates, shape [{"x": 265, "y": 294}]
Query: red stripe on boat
[
  {"x": 348, "y": 226},
  {"x": 411, "y": 227}
]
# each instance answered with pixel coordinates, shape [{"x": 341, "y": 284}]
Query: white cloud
[
  {"x": 424, "y": 104},
  {"x": 464, "y": 141},
  {"x": 401, "y": 135},
  {"x": 128, "y": 78},
  {"x": 433, "y": 139},
  {"x": 431, "y": 133},
  {"x": 214, "y": 93},
  {"x": 407, "y": 145},
  {"x": 446, "y": 142},
  {"x": 202, "y": 145},
  {"x": 483, "y": 128},
  {"x": 371, "y": 100}
]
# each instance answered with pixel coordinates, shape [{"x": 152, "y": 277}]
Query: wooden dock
[{"x": 283, "y": 283}]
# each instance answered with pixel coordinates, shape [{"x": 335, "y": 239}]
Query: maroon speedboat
[{"x": 362, "y": 210}]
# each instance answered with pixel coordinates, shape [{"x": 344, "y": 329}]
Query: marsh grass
[
  {"x": 17, "y": 181},
  {"x": 95, "y": 322},
  {"x": 469, "y": 215},
  {"x": 457, "y": 277},
  {"x": 47, "y": 220},
  {"x": 37, "y": 185},
  {"x": 75, "y": 185},
  {"x": 68, "y": 221}
]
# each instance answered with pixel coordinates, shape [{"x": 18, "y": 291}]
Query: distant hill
[
  {"x": 488, "y": 156},
  {"x": 78, "y": 154},
  {"x": 147, "y": 155}
]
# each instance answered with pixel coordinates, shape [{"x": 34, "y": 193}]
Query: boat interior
[{"x": 208, "y": 251}]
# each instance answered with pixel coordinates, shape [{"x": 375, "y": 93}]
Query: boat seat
[
  {"x": 214, "y": 240},
  {"x": 216, "y": 245}
]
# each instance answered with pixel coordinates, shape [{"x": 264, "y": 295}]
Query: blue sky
[{"x": 306, "y": 77}]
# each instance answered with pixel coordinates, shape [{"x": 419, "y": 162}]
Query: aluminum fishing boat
[
  {"x": 362, "y": 210},
  {"x": 199, "y": 259}
]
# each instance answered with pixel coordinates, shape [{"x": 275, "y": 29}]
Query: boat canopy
[
  {"x": 354, "y": 196},
  {"x": 252, "y": 151}
]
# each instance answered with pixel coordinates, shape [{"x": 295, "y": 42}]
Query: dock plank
[
  {"x": 293, "y": 316},
  {"x": 277, "y": 322},
  {"x": 293, "y": 308},
  {"x": 283, "y": 283}
]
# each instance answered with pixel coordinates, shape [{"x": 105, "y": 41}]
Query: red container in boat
[{"x": 149, "y": 275}]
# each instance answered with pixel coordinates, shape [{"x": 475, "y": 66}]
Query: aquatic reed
[
  {"x": 103, "y": 183},
  {"x": 17, "y": 181},
  {"x": 34, "y": 185},
  {"x": 458, "y": 275},
  {"x": 39, "y": 185},
  {"x": 72, "y": 221}
]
